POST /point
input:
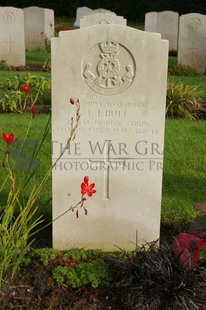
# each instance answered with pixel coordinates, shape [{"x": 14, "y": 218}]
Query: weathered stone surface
[
  {"x": 192, "y": 41},
  {"x": 119, "y": 75},
  {"x": 151, "y": 22},
  {"x": 12, "y": 41},
  {"x": 102, "y": 18},
  {"x": 167, "y": 26},
  {"x": 81, "y": 12}
]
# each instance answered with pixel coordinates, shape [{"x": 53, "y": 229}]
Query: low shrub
[
  {"x": 183, "y": 101},
  {"x": 154, "y": 278},
  {"x": 12, "y": 98},
  {"x": 181, "y": 70},
  {"x": 75, "y": 267},
  {"x": 4, "y": 66}
]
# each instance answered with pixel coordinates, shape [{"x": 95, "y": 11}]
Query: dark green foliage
[
  {"x": 181, "y": 70},
  {"x": 183, "y": 101},
  {"x": 94, "y": 272},
  {"x": 75, "y": 267},
  {"x": 4, "y": 65},
  {"x": 154, "y": 279}
]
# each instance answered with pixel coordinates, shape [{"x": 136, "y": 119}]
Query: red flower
[
  {"x": 66, "y": 27},
  {"x": 188, "y": 248},
  {"x": 9, "y": 138},
  {"x": 26, "y": 88},
  {"x": 87, "y": 188}
]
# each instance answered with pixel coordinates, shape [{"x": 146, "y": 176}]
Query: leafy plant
[
  {"x": 13, "y": 99},
  {"x": 181, "y": 70},
  {"x": 93, "y": 272},
  {"x": 75, "y": 267},
  {"x": 4, "y": 65},
  {"x": 154, "y": 278},
  {"x": 45, "y": 255},
  {"x": 16, "y": 230},
  {"x": 183, "y": 101}
]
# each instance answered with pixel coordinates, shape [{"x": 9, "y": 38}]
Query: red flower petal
[
  {"x": 86, "y": 179},
  {"x": 87, "y": 188},
  {"x": 9, "y": 138},
  {"x": 26, "y": 88}
]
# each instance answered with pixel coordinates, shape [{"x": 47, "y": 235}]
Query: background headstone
[
  {"x": 102, "y": 18},
  {"x": 81, "y": 12},
  {"x": 151, "y": 22},
  {"x": 100, "y": 10},
  {"x": 49, "y": 24},
  {"x": 12, "y": 41},
  {"x": 119, "y": 143},
  {"x": 192, "y": 41},
  {"x": 34, "y": 21},
  {"x": 167, "y": 26}
]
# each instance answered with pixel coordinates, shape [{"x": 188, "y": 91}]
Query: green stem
[
  {"x": 71, "y": 137},
  {"x": 72, "y": 208}
]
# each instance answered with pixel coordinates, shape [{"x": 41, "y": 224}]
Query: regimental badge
[{"x": 109, "y": 68}]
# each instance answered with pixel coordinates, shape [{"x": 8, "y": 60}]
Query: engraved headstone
[
  {"x": 12, "y": 42},
  {"x": 39, "y": 24},
  {"x": 167, "y": 26},
  {"x": 102, "y": 18},
  {"x": 151, "y": 22},
  {"x": 81, "y": 12},
  {"x": 119, "y": 143},
  {"x": 192, "y": 41}
]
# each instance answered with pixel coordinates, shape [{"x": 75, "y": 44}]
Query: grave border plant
[
  {"x": 183, "y": 101},
  {"x": 19, "y": 222},
  {"x": 21, "y": 93}
]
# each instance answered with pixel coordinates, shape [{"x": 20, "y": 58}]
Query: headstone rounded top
[{"x": 101, "y": 11}]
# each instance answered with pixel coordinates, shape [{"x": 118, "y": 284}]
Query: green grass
[
  {"x": 18, "y": 125},
  {"x": 184, "y": 178},
  {"x": 37, "y": 57},
  {"x": 172, "y": 60}
]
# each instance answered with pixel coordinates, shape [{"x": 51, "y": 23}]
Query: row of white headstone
[
  {"x": 24, "y": 29},
  {"x": 186, "y": 35}
]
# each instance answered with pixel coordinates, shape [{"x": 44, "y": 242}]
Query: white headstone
[
  {"x": 49, "y": 24},
  {"x": 167, "y": 26},
  {"x": 192, "y": 41},
  {"x": 119, "y": 143},
  {"x": 81, "y": 12},
  {"x": 34, "y": 20},
  {"x": 12, "y": 42},
  {"x": 102, "y": 18},
  {"x": 151, "y": 22}
]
